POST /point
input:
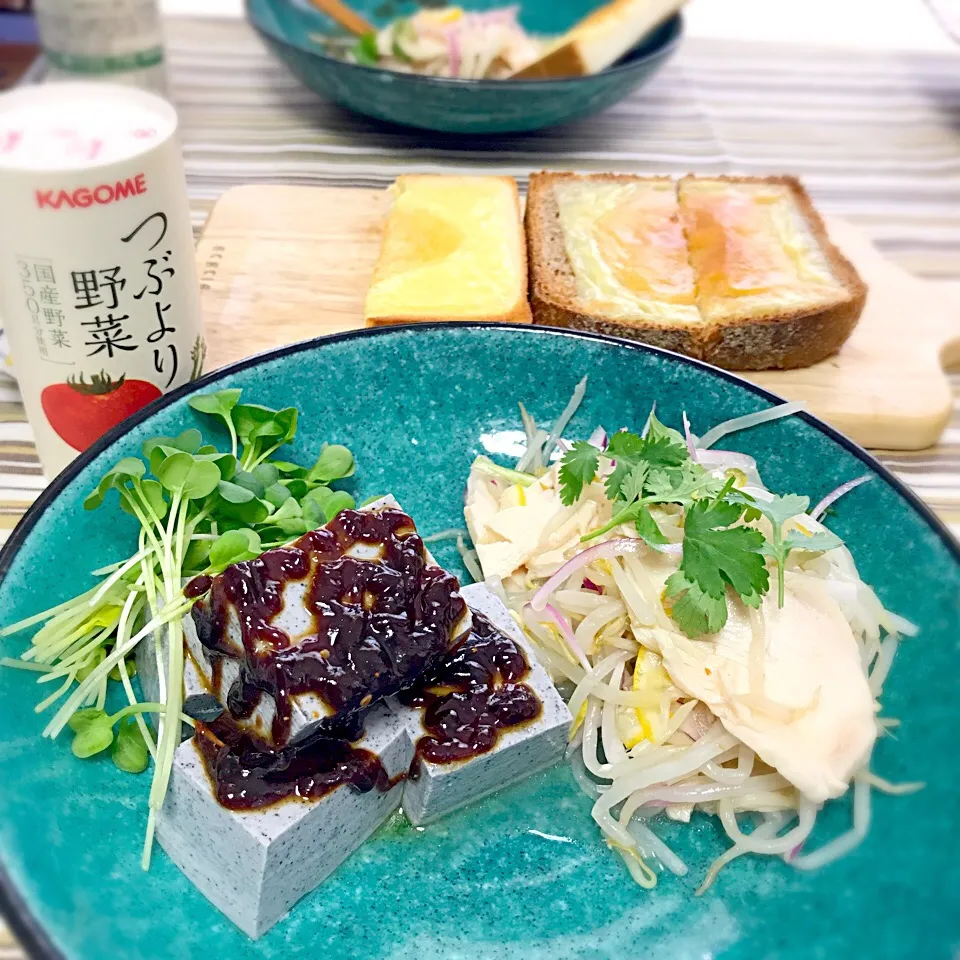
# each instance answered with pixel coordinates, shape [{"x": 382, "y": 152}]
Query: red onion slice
[
  {"x": 821, "y": 508},
  {"x": 453, "y": 51},
  {"x": 564, "y": 626},
  {"x": 600, "y": 551},
  {"x": 598, "y": 438}
]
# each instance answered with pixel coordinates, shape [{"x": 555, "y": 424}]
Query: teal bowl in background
[
  {"x": 449, "y": 105},
  {"x": 522, "y": 875}
]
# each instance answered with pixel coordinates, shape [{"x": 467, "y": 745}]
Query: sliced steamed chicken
[
  {"x": 518, "y": 523},
  {"x": 787, "y": 681}
]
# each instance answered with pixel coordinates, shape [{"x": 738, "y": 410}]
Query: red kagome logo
[{"x": 87, "y": 196}]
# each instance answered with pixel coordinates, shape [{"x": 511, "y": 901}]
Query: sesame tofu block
[
  {"x": 254, "y": 865},
  {"x": 344, "y": 616},
  {"x": 438, "y": 788}
]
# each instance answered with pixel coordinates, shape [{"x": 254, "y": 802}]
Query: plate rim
[{"x": 33, "y": 937}]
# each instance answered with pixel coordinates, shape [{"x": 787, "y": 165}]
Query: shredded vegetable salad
[
  {"x": 716, "y": 643},
  {"x": 448, "y": 43}
]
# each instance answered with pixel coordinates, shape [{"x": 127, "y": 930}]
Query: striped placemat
[{"x": 873, "y": 135}]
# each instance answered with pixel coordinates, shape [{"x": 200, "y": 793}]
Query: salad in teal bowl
[
  {"x": 478, "y": 640},
  {"x": 420, "y": 70}
]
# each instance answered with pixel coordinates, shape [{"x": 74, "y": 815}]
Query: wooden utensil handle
[{"x": 347, "y": 17}]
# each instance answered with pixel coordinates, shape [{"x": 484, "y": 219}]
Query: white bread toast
[{"x": 600, "y": 39}]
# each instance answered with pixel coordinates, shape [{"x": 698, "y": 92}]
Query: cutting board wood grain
[{"x": 280, "y": 264}]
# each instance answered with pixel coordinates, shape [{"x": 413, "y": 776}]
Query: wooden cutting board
[{"x": 280, "y": 264}]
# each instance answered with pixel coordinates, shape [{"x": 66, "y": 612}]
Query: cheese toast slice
[{"x": 452, "y": 249}]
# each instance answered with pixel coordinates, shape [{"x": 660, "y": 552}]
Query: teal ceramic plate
[
  {"x": 291, "y": 29},
  {"x": 523, "y": 875}
]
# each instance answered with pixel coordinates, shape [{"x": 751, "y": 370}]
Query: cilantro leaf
[
  {"x": 682, "y": 485},
  {"x": 647, "y": 527},
  {"x": 577, "y": 469},
  {"x": 818, "y": 542},
  {"x": 659, "y": 431},
  {"x": 778, "y": 511},
  {"x": 656, "y": 450},
  {"x": 625, "y": 450},
  {"x": 632, "y": 487},
  {"x": 715, "y": 555},
  {"x": 781, "y": 509},
  {"x": 624, "y": 444},
  {"x": 663, "y": 452},
  {"x": 694, "y": 611}
]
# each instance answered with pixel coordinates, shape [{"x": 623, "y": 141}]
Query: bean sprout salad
[
  {"x": 449, "y": 42},
  {"x": 718, "y": 648}
]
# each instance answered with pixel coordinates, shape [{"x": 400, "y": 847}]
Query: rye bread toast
[{"x": 767, "y": 334}]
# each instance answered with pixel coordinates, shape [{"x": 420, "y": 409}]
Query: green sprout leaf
[
  {"x": 151, "y": 492},
  {"x": 189, "y": 441},
  {"x": 277, "y": 494},
  {"x": 127, "y": 470},
  {"x": 129, "y": 750},
  {"x": 234, "y": 546},
  {"x": 96, "y": 658},
  {"x": 226, "y": 463},
  {"x": 334, "y": 463},
  {"x": 218, "y": 404},
  {"x": 337, "y": 503},
  {"x": 248, "y": 417},
  {"x": 288, "y": 510},
  {"x": 193, "y": 479},
  {"x": 240, "y": 503},
  {"x": 293, "y": 527},
  {"x": 289, "y": 469},
  {"x": 298, "y": 488},
  {"x": 92, "y": 735},
  {"x": 131, "y": 666},
  {"x": 267, "y": 474},
  {"x": 287, "y": 418},
  {"x": 234, "y": 492},
  {"x": 173, "y": 471},
  {"x": 249, "y": 481},
  {"x": 202, "y": 479},
  {"x": 197, "y": 557},
  {"x": 82, "y": 719}
]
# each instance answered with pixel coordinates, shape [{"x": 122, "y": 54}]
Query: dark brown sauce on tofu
[
  {"x": 247, "y": 774},
  {"x": 375, "y": 623},
  {"x": 472, "y": 696}
]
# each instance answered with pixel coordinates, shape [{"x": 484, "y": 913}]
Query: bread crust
[
  {"x": 773, "y": 340},
  {"x": 518, "y": 313}
]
